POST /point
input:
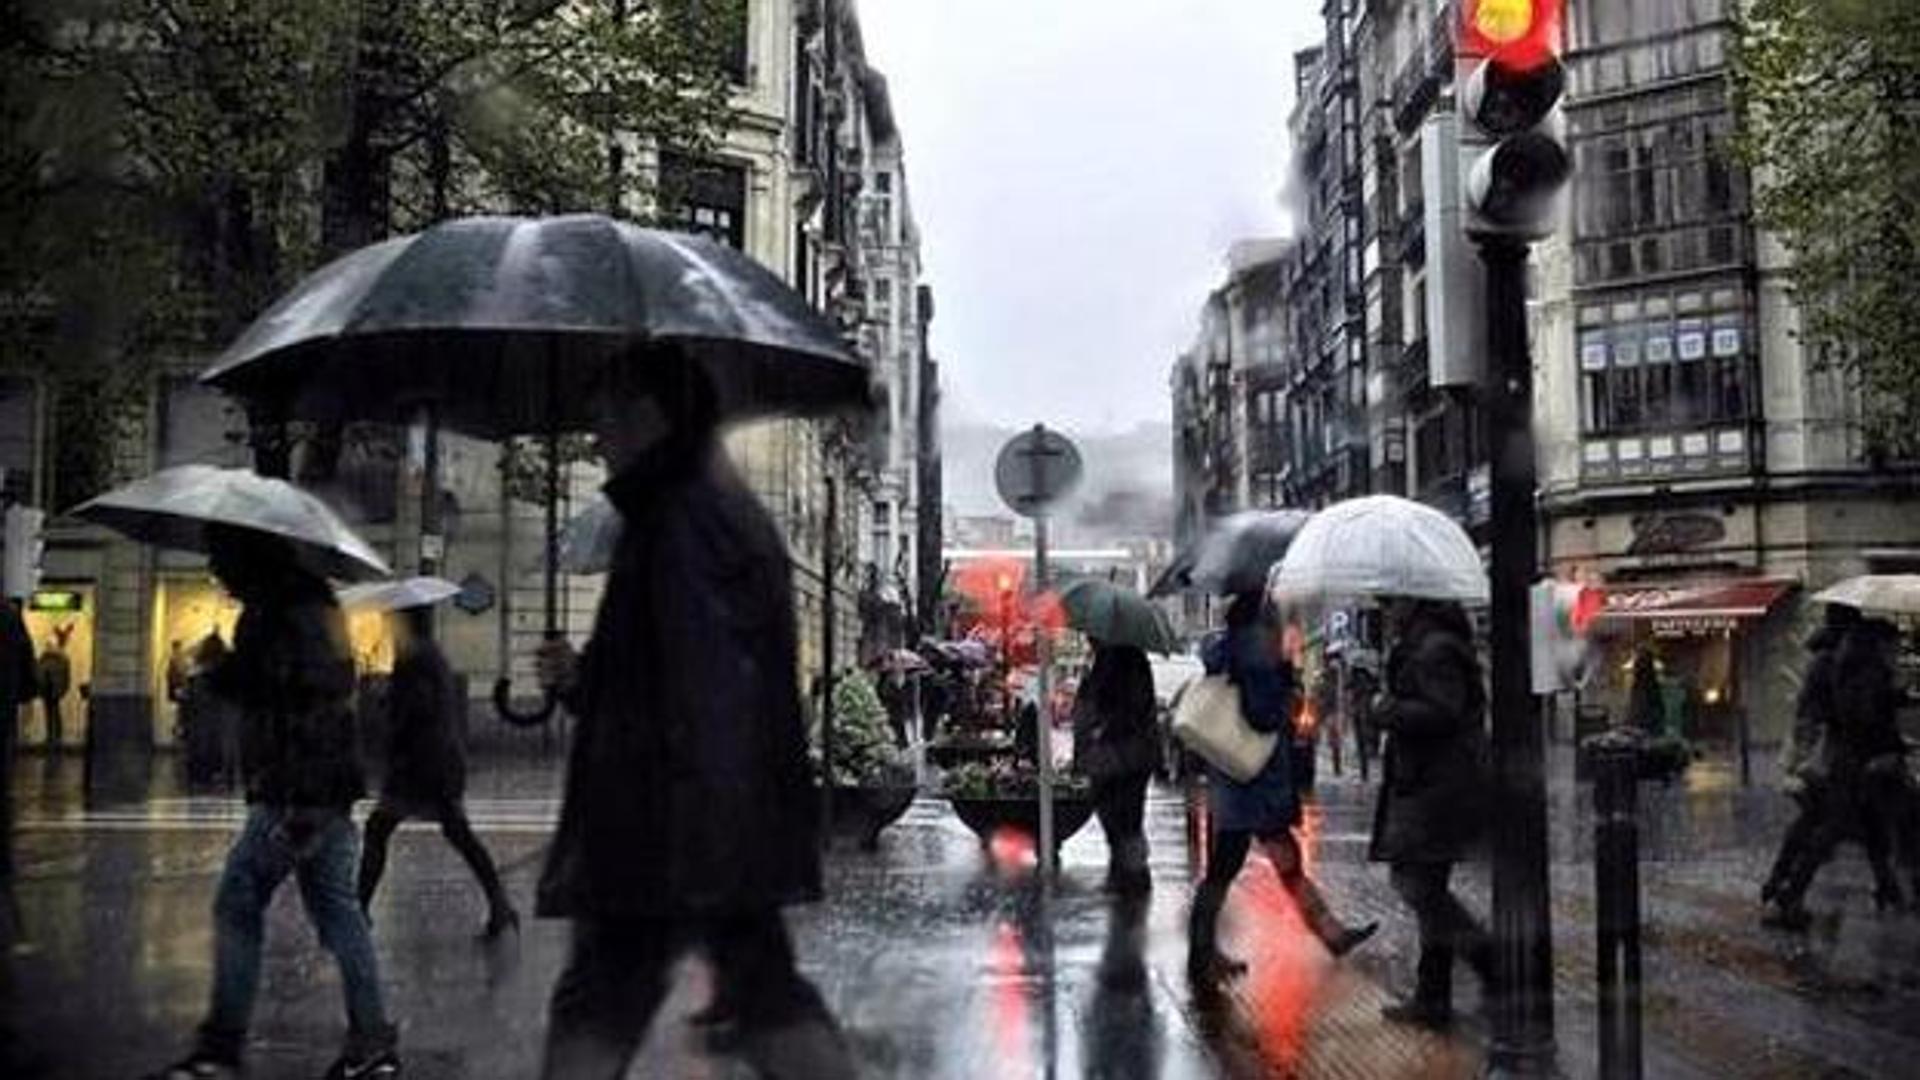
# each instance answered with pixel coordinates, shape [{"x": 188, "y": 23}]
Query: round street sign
[{"x": 1036, "y": 469}]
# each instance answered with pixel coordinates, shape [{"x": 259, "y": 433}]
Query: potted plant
[
  {"x": 873, "y": 779},
  {"x": 1005, "y": 793}
]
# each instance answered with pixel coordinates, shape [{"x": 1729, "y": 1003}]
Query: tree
[
  {"x": 1830, "y": 97},
  {"x": 169, "y": 166}
]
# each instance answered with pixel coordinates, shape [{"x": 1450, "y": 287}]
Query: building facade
[
  {"x": 810, "y": 181},
  {"x": 1693, "y": 463}
]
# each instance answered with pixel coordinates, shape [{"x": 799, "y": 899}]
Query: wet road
[{"x": 943, "y": 960}]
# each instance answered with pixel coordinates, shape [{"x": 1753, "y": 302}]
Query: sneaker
[
  {"x": 1418, "y": 1013},
  {"x": 197, "y": 1067},
  {"x": 383, "y": 1065},
  {"x": 1351, "y": 938}
]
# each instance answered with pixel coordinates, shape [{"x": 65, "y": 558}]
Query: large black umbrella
[
  {"x": 504, "y": 326},
  {"x": 1238, "y": 551}
]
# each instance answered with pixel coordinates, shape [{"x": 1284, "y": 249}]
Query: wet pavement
[{"x": 942, "y": 958}]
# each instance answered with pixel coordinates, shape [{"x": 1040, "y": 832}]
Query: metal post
[
  {"x": 1043, "y": 645},
  {"x": 1522, "y": 914},
  {"x": 829, "y": 614},
  {"x": 1614, "y": 758}
]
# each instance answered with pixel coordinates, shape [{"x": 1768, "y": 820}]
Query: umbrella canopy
[
  {"x": 1381, "y": 545},
  {"x": 173, "y": 507},
  {"x": 1892, "y": 594},
  {"x": 1239, "y": 551},
  {"x": 508, "y": 323},
  {"x": 587, "y": 542},
  {"x": 905, "y": 661},
  {"x": 1177, "y": 577},
  {"x": 1117, "y": 616},
  {"x": 422, "y": 591}
]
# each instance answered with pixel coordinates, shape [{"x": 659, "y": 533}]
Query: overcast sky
[{"x": 1078, "y": 168}]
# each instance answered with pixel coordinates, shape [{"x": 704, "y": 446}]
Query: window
[
  {"x": 704, "y": 197},
  {"x": 1672, "y": 363}
]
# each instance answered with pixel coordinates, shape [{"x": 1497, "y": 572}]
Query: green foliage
[
  {"x": 1006, "y": 777},
  {"x": 1830, "y": 97},
  {"x": 864, "y": 753}
]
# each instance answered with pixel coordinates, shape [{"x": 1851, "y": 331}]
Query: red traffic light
[{"x": 1517, "y": 34}]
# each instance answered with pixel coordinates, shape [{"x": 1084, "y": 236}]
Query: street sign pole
[{"x": 1044, "y": 643}]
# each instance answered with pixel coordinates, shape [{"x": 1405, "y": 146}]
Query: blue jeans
[{"x": 321, "y": 850}]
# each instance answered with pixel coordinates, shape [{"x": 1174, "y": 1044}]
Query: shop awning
[{"x": 1703, "y": 605}]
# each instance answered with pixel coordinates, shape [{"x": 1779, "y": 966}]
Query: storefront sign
[
  {"x": 1669, "y": 533},
  {"x": 57, "y": 601}
]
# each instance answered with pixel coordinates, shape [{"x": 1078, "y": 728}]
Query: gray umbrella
[
  {"x": 1117, "y": 616},
  {"x": 506, "y": 325},
  {"x": 173, "y": 507},
  {"x": 1239, "y": 550}
]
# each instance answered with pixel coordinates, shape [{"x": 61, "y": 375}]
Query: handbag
[{"x": 1209, "y": 723}]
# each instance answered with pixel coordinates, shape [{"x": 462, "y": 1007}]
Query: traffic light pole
[{"x": 1522, "y": 914}]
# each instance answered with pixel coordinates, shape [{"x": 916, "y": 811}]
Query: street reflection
[{"x": 1124, "y": 1038}]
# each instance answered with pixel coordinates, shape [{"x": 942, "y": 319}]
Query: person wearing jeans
[{"x": 291, "y": 676}]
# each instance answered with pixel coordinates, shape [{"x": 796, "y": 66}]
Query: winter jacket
[
  {"x": 291, "y": 676},
  {"x": 1266, "y": 804},
  {"x": 1807, "y": 756},
  {"x": 1115, "y": 716},
  {"x": 688, "y": 790},
  {"x": 1865, "y": 725},
  {"x": 426, "y": 761},
  {"x": 1433, "y": 784}
]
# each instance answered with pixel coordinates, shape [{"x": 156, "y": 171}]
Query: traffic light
[
  {"x": 1513, "y": 135},
  {"x": 24, "y": 546},
  {"x": 1562, "y": 614}
]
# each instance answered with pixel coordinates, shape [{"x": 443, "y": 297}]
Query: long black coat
[
  {"x": 1115, "y": 729},
  {"x": 426, "y": 762},
  {"x": 1433, "y": 776},
  {"x": 688, "y": 791}
]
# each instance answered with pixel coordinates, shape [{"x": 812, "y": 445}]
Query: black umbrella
[
  {"x": 1238, "y": 551},
  {"x": 506, "y": 326}
]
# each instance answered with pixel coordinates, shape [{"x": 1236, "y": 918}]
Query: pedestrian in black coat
[
  {"x": 17, "y": 677},
  {"x": 1116, "y": 743},
  {"x": 1433, "y": 781},
  {"x": 1868, "y": 790},
  {"x": 427, "y": 767},
  {"x": 1806, "y": 766},
  {"x": 690, "y": 814}
]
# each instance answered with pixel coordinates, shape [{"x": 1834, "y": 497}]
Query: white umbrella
[
  {"x": 422, "y": 591},
  {"x": 173, "y": 507},
  {"x": 1380, "y": 545},
  {"x": 1894, "y": 594}
]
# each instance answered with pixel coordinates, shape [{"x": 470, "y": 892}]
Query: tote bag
[{"x": 1210, "y": 724}]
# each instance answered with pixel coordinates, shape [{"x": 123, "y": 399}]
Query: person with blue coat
[{"x": 1265, "y": 808}]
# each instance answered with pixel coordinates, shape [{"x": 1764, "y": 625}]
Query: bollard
[{"x": 1614, "y": 758}]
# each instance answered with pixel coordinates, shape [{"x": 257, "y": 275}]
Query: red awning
[{"x": 1725, "y": 600}]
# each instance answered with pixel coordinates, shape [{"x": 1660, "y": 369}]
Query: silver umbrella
[
  {"x": 173, "y": 507},
  {"x": 1381, "y": 545},
  {"x": 422, "y": 591}
]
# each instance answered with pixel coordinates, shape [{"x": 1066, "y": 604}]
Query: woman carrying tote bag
[{"x": 1263, "y": 808}]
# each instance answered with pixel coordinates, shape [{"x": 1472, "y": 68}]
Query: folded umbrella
[
  {"x": 1380, "y": 545},
  {"x": 1239, "y": 551},
  {"x": 422, "y": 591},
  {"x": 173, "y": 507},
  {"x": 1117, "y": 616}
]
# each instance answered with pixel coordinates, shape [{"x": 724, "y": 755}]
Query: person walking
[
  {"x": 1264, "y": 809},
  {"x": 291, "y": 675},
  {"x": 1867, "y": 787},
  {"x": 1432, "y": 780},
  {"x": 690, "y": 814},
  {"x": 1116, "y": 743},
  {"x": 427, "y": 767},
  {"x": 1362, "y": 685},
  {"x": 56, "y": 679},
  {"x": 1805, "y": 766}
]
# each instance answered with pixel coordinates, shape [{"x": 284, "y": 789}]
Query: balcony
[{"x": 1419, "y": 80}]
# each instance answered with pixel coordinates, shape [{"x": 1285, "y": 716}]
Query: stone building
[{"x": 810, "y": 181}]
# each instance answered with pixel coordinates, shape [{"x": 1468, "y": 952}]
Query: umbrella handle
[{"x": 503, "y": 705}]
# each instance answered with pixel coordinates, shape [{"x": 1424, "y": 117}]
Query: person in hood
[
  {"x": 690, "y": 812},
  {"x": 291, "y": 675},
  {"x": 427, "y": 766}
]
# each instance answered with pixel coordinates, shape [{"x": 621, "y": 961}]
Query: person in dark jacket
[
  {"x": 1265, "y": 808},
  {"x": 1867, "y": 784},
  {"x": 427, "y": 767},
  {"x": 1432, "y": 781},
  {"x": 1116, "y": 743},
  {"x": 56, "y": 678},
  {"x": 291, "y": 675},
  {"x": 690, "y": 813},
  {"x": 1805, "y": 765},
  {"x": 17, "y": 678}
]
